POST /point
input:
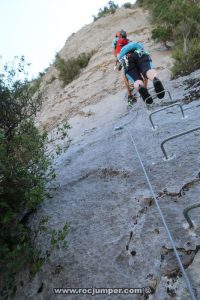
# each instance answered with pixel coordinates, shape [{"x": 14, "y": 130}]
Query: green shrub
[
  {"x": 185, "y": 63},
  {"x": 25, "y": 168},
  {"x": 110, "y": 8},
  {"x": 69, "y": 69},
  {"x": 161, "y": 34},
  {"x": 127, "y": 5},
  {"x": 23, "y": 165},
  {"x": 181, "y": 21}
]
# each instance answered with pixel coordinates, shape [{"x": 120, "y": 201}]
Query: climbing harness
[{"x": 141, "y": 52}]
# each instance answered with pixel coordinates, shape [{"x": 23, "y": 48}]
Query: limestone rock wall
[{"x": 116, "y": 237}]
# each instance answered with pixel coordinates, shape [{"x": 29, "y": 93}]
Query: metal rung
[
  {"x": 185, "y": 213},
  {"x": 166, "y": 107},
  {"x": 173, "y": 137},
  {"x": 153, "y": 96}
]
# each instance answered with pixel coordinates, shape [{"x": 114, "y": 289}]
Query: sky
[{"x": 38, "y": 29}]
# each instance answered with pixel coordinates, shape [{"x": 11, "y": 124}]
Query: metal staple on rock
[
  {"x": 187, "y": 217},
  {"x": 187, "y": 281},
  {"x": 175, "y": 136},
  {"x": 164, "y": 108}
]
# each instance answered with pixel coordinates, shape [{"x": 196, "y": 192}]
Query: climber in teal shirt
[{"x": 136, "y": 62}]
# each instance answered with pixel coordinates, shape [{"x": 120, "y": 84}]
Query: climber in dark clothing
[{"x": 136, "y": 61}]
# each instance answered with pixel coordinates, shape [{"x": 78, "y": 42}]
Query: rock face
[
  {"x": 116, "y": 237},
  {"x": 98, "y": 80}
]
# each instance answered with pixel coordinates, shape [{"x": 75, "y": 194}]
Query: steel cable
[{"x": 187, "y": 281}]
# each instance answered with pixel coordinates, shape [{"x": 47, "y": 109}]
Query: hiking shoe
[
  {"x": 129, "y": 105},
  {"x": 133, "y": 97},
  {"x": 131, "y": 101},
  {"x": 145, "y": 95},
  {"x": 159, "y": 88}
]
